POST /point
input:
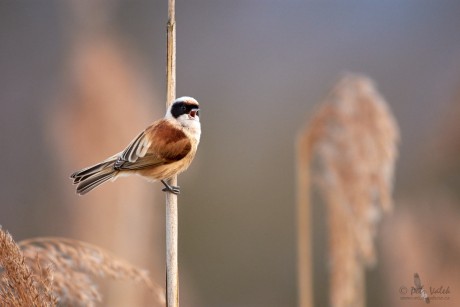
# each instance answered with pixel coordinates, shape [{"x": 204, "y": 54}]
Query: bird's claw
[{"x": 170, "y": 188}]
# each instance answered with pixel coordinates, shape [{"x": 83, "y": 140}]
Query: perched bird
[{"x": 162, "y": 150}]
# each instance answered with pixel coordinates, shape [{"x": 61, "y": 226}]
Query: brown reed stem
[
  {"x": 172, "y": 271},
  {"x": 304, "y": 242}
]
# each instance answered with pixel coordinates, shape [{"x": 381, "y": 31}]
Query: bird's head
[{"x": 186, "y": 110}]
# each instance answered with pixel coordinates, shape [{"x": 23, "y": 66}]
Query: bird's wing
[
  {"x": 136, "y": 149},
  {"x": 161, "y": 143}
]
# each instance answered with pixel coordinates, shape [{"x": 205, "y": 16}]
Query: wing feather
[
  {"x": 130, "y": 153},
  {"x": 159, "y": 144}
]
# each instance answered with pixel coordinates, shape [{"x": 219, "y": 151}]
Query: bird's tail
[{"x": 91, "y": 177}]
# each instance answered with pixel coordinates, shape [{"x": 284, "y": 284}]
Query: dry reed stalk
[
  {"x": 74, "y": 263},
  {"x": 172, "y": 269},
  {"x": 19, "y": 285},
  {"x": 304, "y": 244},
  {"x": 354, "y": 136}
]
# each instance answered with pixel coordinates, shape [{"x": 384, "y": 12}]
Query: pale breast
[{"x": 168, "y": 170}]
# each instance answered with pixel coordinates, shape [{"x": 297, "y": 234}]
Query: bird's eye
[{"x": 183, "y": 108}]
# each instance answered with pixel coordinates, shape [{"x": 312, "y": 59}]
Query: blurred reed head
[{"x": 353, "y": 137}]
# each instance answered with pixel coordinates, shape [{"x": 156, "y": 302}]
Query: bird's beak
[{"x": 193, "y": 113}]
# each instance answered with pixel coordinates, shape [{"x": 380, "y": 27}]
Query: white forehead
[
  {"x": 181, "y": 99},
  {"x": 186, "y": 98}
]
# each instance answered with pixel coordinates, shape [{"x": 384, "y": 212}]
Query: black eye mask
[{"x": 181, "y": 108}]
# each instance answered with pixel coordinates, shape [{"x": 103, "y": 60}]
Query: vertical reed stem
[
  {"x": 304, "y": 253},
  {"x": 172, "y": 271}
]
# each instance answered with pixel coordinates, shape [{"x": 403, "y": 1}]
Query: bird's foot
[{"x": 170, "y": 188}]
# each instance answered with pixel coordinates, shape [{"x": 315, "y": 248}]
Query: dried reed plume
[
  {"x": 28, "y": 280},
  {"x": 19, "y": 284},
  {"x": 354, "y": 137},
  {"x": 74, "y": 263}
]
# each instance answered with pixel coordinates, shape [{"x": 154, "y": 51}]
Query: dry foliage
[
  {"x": 19, "y": 284},
  {"x": 74, "y": 264},
  {"x": 354, "y": 137},
  {"x": 28, "y": 280}
]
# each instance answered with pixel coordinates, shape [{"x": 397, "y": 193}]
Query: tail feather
[
  {"x": 89, "y": 183},
  {"x": 89, "y": 171},
  {"x": 90, "y": 177}
]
